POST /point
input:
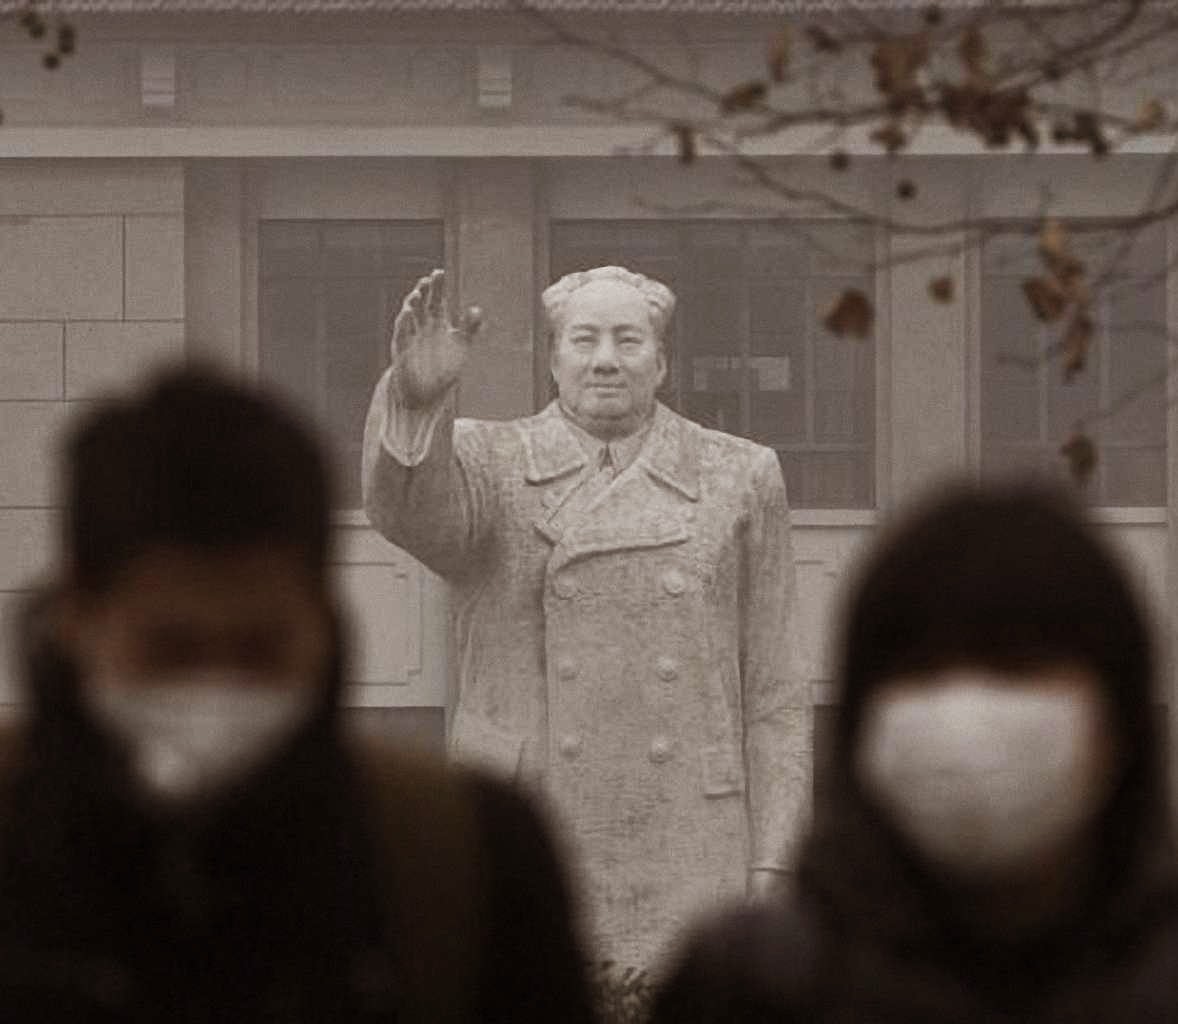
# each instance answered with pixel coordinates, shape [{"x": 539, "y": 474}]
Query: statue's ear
[{"x": 666, "y": 385}]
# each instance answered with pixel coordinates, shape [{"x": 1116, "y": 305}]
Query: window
[
  {"x": 1028, "y": 410},
  {"x": 325, "y": 292},
  {"x": 749, "y": 354}
]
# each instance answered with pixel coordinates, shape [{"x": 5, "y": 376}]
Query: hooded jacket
[
  {"x": 290, "y": 899},
  {"x": 872, "y": 933}
]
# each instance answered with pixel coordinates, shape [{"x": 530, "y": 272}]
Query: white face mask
[
  {"x": 981, "y": 775},
  {"x": 191, "y": 735}
]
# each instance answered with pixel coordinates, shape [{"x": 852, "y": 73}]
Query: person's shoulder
[
  {"x": 511, "y": 823},
  {"x": 752, "y": 963},
  {"x": 425, "y": 784}
]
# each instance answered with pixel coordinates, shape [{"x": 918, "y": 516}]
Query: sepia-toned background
[{"x": 260, "y": 188}]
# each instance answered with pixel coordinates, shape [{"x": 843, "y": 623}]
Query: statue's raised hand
[{"x": 428, "y": 351}]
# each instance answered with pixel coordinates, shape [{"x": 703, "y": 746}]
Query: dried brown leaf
[
  {"x": 1077, "y": 340},
  {"x": 1048, "y": 300},
  {"x": 779, "y": 54},
  {"x": 1053, "y": 240},
  {"x": 995, "y": 115},
  {"x": 1150, "y": 116},
  {"x": 822, "y": 40},
  {"x": 941, "y": 289},
  {"x": 897, "y": 61},
  {"x": 1056, "y": 252},
  {"x": 891, "y": 136},
  {"x": 1080, "y": 453},
  {"x": 973, "y": 52},
  {"x": 744, "y": 96},
  {"x": 1088, "y": 129},
  {"x": 852, "y": 313}
]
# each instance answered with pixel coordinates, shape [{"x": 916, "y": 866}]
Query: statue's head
[{"x": 607, "y": 328}]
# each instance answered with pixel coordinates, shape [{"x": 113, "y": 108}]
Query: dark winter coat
[
  {"x": 871, "y": 937},
  {"x": 334, "y": 886},
  {"x": 1008, "y": 579}
]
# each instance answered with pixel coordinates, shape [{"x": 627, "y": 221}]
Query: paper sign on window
[{"x": 771, "y": 373}]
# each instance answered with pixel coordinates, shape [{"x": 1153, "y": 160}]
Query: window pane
[
  {"x": 1011, "y": 254},
  {"x": 1135, "y": 476},
  {"x": 1019, "y": 460},
  {"x": 352, "y": 249},
  {"x": 289, "y": 248},
  {"x": 777, "y": 252},
  {"x": 776, "y": 316},
  {"x": 836, "y": 417},
  {"x": 1010, "y": 412},
  {"x": 833, "y": 479},
  {"x": 778, "y": 418},
  {"x": 327, "y": 289},
  {"x": 1012, "y": 340},
  {"x": 711, "y": 319},
  {"x": 1068, "y": 404},
  {"x": 288, "y": 311}
]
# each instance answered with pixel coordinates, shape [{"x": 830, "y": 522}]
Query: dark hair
[
  {"x": 193, "y": 459},
  {"x": 1001, "y": 578}
]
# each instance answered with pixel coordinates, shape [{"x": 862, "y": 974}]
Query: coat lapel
[
  {"x": 553, "y": 457},
  {"x": 645, "y": 506},
  {"x": 550, "y": 449}
]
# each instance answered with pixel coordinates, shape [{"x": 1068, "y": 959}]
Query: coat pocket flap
[
  {"x": 482, "y": 744},
  {"x": 723, "y": 770}
]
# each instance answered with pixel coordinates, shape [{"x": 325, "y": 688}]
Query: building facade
[{"x": 259, "y": 184}]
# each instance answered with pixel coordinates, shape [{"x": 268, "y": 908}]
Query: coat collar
[{"x": 670, "y": 454}]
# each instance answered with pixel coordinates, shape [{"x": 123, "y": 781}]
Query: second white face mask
[
  {"x": 191, "y": 735},
  {"x": 982, "y": 775}
]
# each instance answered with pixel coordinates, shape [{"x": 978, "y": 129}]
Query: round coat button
[
  {"x": 660, "y": 750},
  {"x": 570, "y": 747},
  {"x": 565, "y": 587},
  {"x": 673, "y": 582},
  {"x": 667, "y": 668},
  {"x": 566, "y": 668}
]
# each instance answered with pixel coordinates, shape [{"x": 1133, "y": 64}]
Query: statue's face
[{"x": 607, "y": 360}]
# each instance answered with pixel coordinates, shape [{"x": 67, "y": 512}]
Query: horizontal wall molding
[{"x": 536, "y": 139}]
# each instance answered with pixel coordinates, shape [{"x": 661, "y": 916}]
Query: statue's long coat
[{"x": 636, "y": 667}]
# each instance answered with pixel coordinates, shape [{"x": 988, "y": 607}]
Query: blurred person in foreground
[
  {"x": 185, "y": 833},
  {"x": 997, "y": 845}
]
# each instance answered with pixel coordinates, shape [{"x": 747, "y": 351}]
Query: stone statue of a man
[{"x": 624, "y": 600}]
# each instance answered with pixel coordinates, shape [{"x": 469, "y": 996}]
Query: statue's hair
[{"x": 659, "y": 298}]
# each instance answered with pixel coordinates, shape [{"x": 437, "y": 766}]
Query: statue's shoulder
[
  {"x": 493, "y": 436},
  {"x": 513, "y": 427},
  {"x": 718, "y": 447}
]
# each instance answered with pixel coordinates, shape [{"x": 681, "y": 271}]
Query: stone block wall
[{"x": 91, "y": 297}]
